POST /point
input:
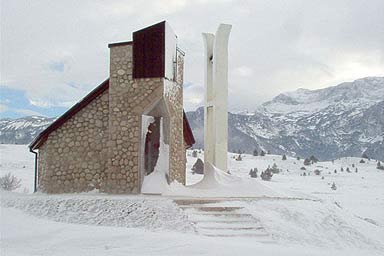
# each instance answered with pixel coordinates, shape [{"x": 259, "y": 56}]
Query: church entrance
[{"x": 152, "y": 146}]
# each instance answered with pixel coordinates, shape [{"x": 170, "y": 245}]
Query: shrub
[
  {"x": 313, "y": 159},
  {"x": 198, "y": 167},
  {"x": 267, "y": 174},
  {"x": 317, "y": 172},
  {"x": 333, "y": 187},
  {"x": 239, "y": 158},
  {"x": 255, "y": 153},
  {"x": 307, "y": 161},
  {"x": 303, "y": 168},
  {"x": 348, "y": 170},
  {"x": 9, "y": 182},
  {"x": 253, "y": 173},
  {"x": 298, "y": 158},
  {"x": 362, "y": 161},
  {"x": 379, "y": 166},
  {"x": 275, "y": 169},
  {"x": 262, "y": 153},
  {"x": 284, "y": 157},
  {"x": 194, "y": 153}
]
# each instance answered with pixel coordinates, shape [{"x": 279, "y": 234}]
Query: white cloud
[{"x": 274, "y": 46}]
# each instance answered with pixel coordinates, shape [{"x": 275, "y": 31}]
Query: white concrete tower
[{"x": 216, "y": 97}]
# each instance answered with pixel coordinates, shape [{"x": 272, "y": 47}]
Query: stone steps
[{"x": 221, "y": 218}]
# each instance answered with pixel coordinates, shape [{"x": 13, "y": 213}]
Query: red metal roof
[{"x": 43, "y": 136}]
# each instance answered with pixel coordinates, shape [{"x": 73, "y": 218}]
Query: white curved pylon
[{"x": 216, "y": 97}]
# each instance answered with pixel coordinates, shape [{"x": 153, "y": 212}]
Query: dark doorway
[{"x": 152, "y": 146}]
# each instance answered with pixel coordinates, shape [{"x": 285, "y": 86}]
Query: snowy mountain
[
  {"x": 338, "y": 121},
  {"x": 22, "y": 130},
  {"x": 343, "y": 120}
]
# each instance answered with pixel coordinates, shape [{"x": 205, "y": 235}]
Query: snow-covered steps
[{"x": 223, "y": 218}]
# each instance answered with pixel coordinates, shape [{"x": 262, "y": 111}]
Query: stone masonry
[
  {"x": 99, "y": 145},
  {"x": 74, "y": 158}
]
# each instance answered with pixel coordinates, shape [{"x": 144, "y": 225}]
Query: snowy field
[{"x": 302, "y": 214}]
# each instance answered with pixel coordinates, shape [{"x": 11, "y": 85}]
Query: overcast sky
[{"x": 54, "y": 52}]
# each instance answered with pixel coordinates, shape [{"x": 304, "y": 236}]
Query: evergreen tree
[
  {"x": 284, "y": 157},
  {"x": 313, "y": 159},
  {"x": 262, "y": 153},
  {"x": 365, "y": 156},
  {"x": 307, "y": 161},
  {"x": 267, "y": 174},
  {"x": 274, "y": 168},
  {"x": 255, "y": 153}
]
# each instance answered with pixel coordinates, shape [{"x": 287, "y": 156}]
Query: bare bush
[{"x": 9, "y": 182}]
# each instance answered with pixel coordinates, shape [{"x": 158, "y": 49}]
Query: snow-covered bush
[
  {"x": 275, "y": 169},
  {"x": 239, "y": 158},
  {"x": 267, "y": 174},
  {"x": 362, "y": 161},
  {"x": 307, "y": 161},
  {"x": 253, "y": 173},
  {"x": 198, "y": 167},
  {"x": 333, "y": 187},
  {"x": 262, "y": 153},
  {"x": 379, "y": 166},
  {"x": 9, "y": 182},
  {"x": 317, "y": 172}
]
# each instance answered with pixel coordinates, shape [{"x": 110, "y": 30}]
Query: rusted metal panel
[{"x": 149, "y": 51}]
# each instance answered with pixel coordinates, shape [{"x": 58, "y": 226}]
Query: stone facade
[
  {"x": 74, "y": 157},
  {"x": 101, "y": 145},
  {"x": 128, "y": 98}
]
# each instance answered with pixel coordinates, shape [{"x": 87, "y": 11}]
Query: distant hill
[
  {"x": 22, "y": 130},
  {"x": 338, "y": 121},
  {"x": 343, "y": 120}
]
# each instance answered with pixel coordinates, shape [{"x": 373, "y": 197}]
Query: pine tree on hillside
[
  {"x": 255, "y": 153},
  {"x": 274, "y": 168},
  {"x": 284, "y": 157},
  {"x": 313, "y": 159},
  {"x": 307, "y": 161}
]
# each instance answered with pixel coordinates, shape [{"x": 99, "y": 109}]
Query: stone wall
[
  {"x": 173, "y": 95},
  {"x": 74, "y": 157},
  {"x": 128, "y": 98}
]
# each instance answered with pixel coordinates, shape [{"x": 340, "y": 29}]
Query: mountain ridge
[{"x": 337, "y": 121}]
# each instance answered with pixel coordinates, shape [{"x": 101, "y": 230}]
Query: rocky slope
[
  {"x": 22, "y": 130},
  {"x": 343, "y": 120}
]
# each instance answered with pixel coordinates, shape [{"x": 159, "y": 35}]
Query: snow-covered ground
[{"x": 304, "y": 216}]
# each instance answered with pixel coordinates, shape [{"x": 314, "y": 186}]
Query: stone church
[{"x": 105, "y": 141}]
